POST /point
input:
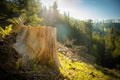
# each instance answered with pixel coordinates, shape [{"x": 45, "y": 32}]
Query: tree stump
[{"x": 39, "y": 44}]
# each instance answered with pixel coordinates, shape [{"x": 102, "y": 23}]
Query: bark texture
[{"x": 39, "y": 44}]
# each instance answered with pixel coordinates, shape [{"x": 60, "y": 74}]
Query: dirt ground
[{"x": 8, "y": 68}]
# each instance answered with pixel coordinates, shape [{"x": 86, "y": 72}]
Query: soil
[{"x": 9, "y": 71}]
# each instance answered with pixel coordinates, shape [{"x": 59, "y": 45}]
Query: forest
[{"x": 88, "y": 49}]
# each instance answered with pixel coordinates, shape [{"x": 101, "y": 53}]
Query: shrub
[{"x": 6, "y": 31}]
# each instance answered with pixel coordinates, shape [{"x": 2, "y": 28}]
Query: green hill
[{"x": 83, "y": 71}]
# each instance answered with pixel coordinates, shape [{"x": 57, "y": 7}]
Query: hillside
[
  {"x": 76, "y": 49},
  {"x": 83, "y": 71},
  {"x": 83, "y": 67},
  {"x": 73, "y": 67}
]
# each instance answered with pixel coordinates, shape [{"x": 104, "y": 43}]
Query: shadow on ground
[{"x": 9, "y": 70}]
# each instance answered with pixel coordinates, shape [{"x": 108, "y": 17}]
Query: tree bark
[{"x": 39, "y": 43}]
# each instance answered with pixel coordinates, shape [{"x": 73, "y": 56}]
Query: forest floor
[
  {"x": 78, "y": 70},
  {"x": 82, "y": 67},
  {"x": 73, "y": 66}
]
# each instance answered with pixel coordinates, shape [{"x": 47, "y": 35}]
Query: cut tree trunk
[{"x": 39, "y": 44}]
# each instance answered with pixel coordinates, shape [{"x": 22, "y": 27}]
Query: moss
[
  {"x": 80, "y": 70},
  {"x": 17, "y": 65},
  {"x": 35, "y": 67}
]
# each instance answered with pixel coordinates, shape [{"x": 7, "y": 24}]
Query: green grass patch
[{"x": 81, "y": 70}]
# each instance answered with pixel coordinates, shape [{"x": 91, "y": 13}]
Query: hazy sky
[{"x": 88, "y": 9}]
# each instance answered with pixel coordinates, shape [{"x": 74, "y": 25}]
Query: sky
[{"x": 88, "y": 9}]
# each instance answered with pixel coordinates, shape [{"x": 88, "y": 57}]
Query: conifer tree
[{"x": 30, "y": 12}]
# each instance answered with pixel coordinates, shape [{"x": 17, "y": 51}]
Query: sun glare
[
  {"x": 68, "y": 7},
  {"x": 76, "y": 9},
  {"x": 47, "y": 3}
]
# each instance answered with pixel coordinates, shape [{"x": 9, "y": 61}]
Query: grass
[{"x": 81, "y": 70}]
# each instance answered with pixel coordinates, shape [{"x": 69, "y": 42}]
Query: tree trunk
[{"x": 39, "y": 44}]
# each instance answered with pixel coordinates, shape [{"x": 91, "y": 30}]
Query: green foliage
[
  {"x": 102, "y": 39},
  {"x": 83, "y": 71},
  {"x": 50, "y": 16},
  {"x": 116, "y": 51},
  {"x": 35, "y": 67},
  {"x": 8, "y": 8},
  {"x": 113, "y": 42},
  {"x": 17, "y": 65},
  {"x": 5, "y": 32},
  {"x": 29, "y": 10},
  {"x": 30, "y": 13},
  {"x": 106, "y": 38}
]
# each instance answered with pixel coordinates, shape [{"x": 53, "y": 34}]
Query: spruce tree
[{"x": 31, "y": 11}]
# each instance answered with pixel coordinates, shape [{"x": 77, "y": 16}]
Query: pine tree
[
  {"x": 30, "y": 12},
  {"x": 54, "y": 14},
  {"x": 8, "y": 10}
]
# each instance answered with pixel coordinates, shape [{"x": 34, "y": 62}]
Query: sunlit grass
[
  {"x": 80, "y": 70},
  {"x": 6, "y": 31}
]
